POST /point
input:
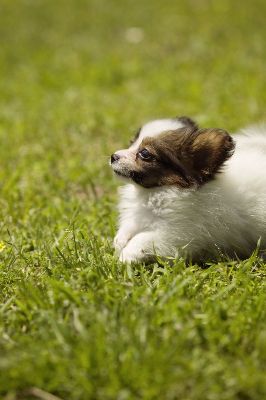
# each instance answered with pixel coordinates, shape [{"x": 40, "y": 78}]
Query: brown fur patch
[{"x": 185, "y": 157}]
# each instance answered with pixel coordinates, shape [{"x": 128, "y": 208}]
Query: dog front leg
[
  {"x": 140, "y": 248},
  {"x": 126, "y": 232}
]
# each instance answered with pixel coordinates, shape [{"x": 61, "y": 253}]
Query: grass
[{"x": 74, "y": 322}]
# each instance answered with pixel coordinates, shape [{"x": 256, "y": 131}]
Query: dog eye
[{"x": 145, "y": 154}]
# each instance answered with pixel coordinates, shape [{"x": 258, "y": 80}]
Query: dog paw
[
  {"x": 121, "y": 240},
  {"x": 129, "y": 255}
]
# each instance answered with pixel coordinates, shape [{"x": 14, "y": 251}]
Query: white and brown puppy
[{"x": 191, "y": 192}]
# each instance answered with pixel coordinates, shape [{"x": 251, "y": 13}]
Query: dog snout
[{"x": 114, "y": 157}]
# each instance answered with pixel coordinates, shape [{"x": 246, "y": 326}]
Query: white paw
[
  {"x": 129, "y": 255},
  {"x": 121, "y": 240}
]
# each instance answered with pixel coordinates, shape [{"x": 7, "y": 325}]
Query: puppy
[{"x": 190, "y": 192}]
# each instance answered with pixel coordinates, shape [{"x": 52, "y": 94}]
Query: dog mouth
[
  {"x": 122, "y": 172},
  {"x": 119, "y": 173},
  {"x": 126, "y": 173}
]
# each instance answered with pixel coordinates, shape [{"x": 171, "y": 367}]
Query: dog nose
[{"x": 114, "y": 157}]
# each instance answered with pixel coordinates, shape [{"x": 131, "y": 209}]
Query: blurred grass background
[{"x": 76, "y": 82}]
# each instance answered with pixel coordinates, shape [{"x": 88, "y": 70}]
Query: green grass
[{"x": 75, "y": 322}]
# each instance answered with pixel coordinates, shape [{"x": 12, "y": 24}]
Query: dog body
[{"x": 198, "y": 195}]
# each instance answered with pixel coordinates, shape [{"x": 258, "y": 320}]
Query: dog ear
[
  {"x": 187, "y": 122},
  {"x": 210, "y": 148}
]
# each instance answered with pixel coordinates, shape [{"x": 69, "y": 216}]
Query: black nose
[{"x": 114, "y": 157}]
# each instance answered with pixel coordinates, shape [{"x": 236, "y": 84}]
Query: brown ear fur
[
  {"x": 210, "y": 149},
  {"x": 187, "y": 121}
]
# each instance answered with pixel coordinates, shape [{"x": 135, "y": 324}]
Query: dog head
[{"x": 173, "y": 152}]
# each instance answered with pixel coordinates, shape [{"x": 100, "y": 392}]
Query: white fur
[
  {"x": 155, "y": 128},
  {"x": 225, "y": 216}
]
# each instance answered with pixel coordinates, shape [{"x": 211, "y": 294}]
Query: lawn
[{"x": 76, "y": 82}]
